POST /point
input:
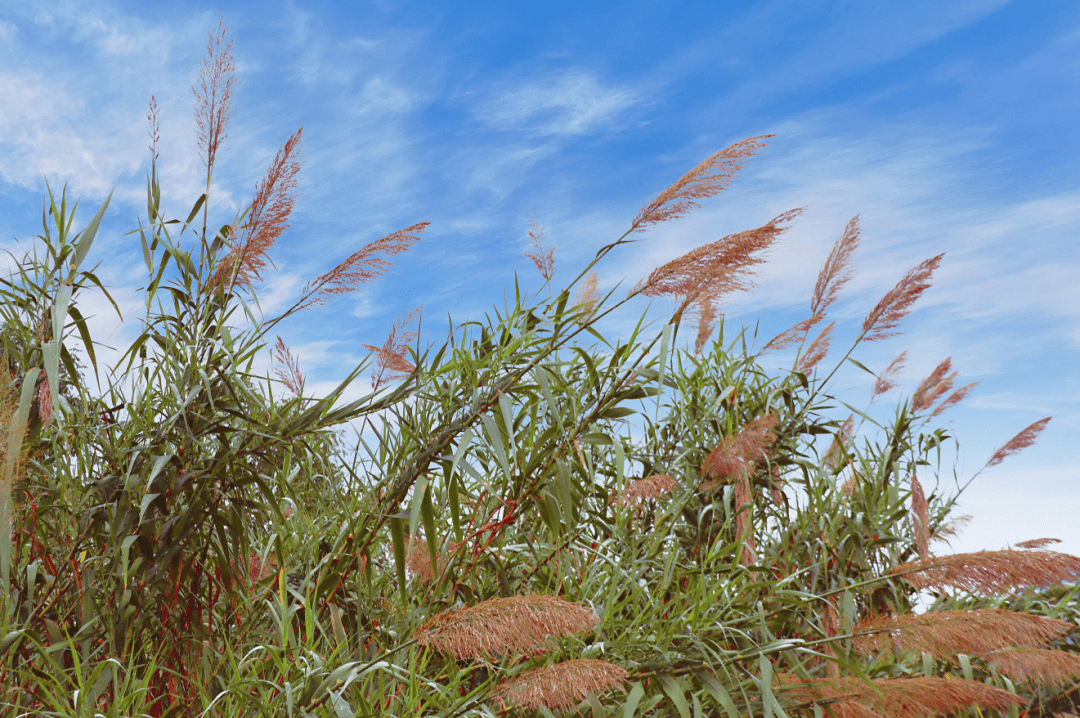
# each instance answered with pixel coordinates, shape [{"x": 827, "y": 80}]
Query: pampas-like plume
[
  {"x": 515, "y": 625},
  {"x": 920, "y": 517},
  {"x": 743, "y": 499},
  {"x": 363, "y": 266},
  {"x": 639, "y": 491},
  {"x": 266, "y": 220},
  {"x": 392, "y": 353},
  {"x": 837, "y": 270},
  {"x": 992, "y": 571},
  {"x": 702, "y": 182},
  {"x": 216, "y": 82},
  {"x": 561, "y": 686},
  {"x": 706, "y": 323},
  {"x": 955, "y": 398},
  {"x": 712, "y": 270},
  {"x": 817, "y": 350},
  {"x": 1037, "y": 543},
  {"x": 896, "y": 304},
  {"x": 587, "y": 295},
  {"x": 921, "y": 697},
  {"x": 290, "y": 375},
  {"x": 544, "y": 260},
  {"x": 933, "y": 386},
  {"x": 1041, "y": 666},
  {"x": 418, "y": 559},
  {"x": 945, "y": 633},
  {"x": 1018, "y": 443},
  {"x": 886, "y": 381},
  {"x": 739, "y": 454}
]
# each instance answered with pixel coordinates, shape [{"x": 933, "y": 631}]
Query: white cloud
[{"x": 574, "y": 103}]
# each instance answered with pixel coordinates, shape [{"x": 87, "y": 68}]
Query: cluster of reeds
[{"x": 780, "y": 577}]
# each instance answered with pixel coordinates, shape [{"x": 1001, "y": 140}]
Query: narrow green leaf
[
  {"x": 16, "y": 432},
  {"x": 88, "y": 235},
  {"x": 717, "y": 691},
  {"x": 632, "y": 699},
  {"x": 677, "y": 693},
  {"x": 397, "y": 534},
  {"x": 194, "y": 211}
]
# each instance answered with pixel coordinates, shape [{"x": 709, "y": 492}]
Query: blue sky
[{"x": 948, "y": 127}]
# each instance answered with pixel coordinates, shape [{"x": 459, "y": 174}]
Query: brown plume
[
  {"x": 561, "y": 686},
  {"x": 1042, "y": 666},
  {"x": 515, "y": 625},
  {"x": 544, "y": 260},
  {"x": 945, "y": 633},
  {"x": 921, "y": 697},
  {"x": 837, "y": 270},
  {"x": 1037, "y": 543},
  {"x": 743, "y": 499},
  {"x": 795, "y": 334},
  {"x": 706, "y": 324},
  {"x": 363, "y": 266},
  {"x": 920, "y": 517},
  {"x": 266, "y": 220},
  {"x": 418, "y": 559},
  {"x": 391, "y": 355},
  {"x": 587, "y": 295},
  {"x": 639, "y": 491},
  {"x": 291, "y": 375},
  {"x": 740, "y": 453},
  {"x": 835, "y": 452},
  {"x": 886, "y": 381},
  {"x": 712, "y": 270},
  {"x": 704, "y": 181},
  {"x": 992, "y": 571},
  {"x": 896, "y": 304},
  {"x": 817, "y": 350},
  {"x": 933, "y": 386},
  {"x": 1018, "y": 443},
  {"x": 212, "y": 97}
]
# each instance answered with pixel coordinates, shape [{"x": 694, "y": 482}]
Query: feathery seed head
[
  {"x": 704, "y": 181},
  {"x": 544, "y": 260},
  {"x": 922, "y": 697},
  {"x": 1040, "y": 666},
  {"x": 515, "y": 625},
  {"x": 639, "y": 491},
  {"x": 886, "y": 381},
  {"x": 896, "y": 304},
  {"x": 290, "y": 375},
  {"x": 837, "y": 270},
  {"x": 920, "y": 516},
  {"x": 1037, "y": 543},
  {"x": 1018, "y": 443},
  {"x": 817, "y": 350},
  {"x": 561, "y": 686},
  {"x": 212, "y": 97},
  {"x": 991, "y": 572},
  {"x": 739, "y": 453}
]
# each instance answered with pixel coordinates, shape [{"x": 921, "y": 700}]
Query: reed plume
[
  {"x": 363, "y": 266},
  {"x": 887, "y": 380},
  {"x": 837, "y": 270},
  {"x": 514, "y": 625},
  {"x": 943, "y": 634},
  {"x": 817, "y": 350},
  {"x": 712, "y": 270},
  {"x": 267, "y": 219},
  {"x": 933, "y": 386},
  {"x": 418, "y": 559},
  {"x": 561, "y": 686},
  {"x": 706, "y": 324},
  {"x": 543, "y": 259},
  {"x": 1037, "y": 543},
  {"x": 706, "y": 180},
  {"x": 992, "y": 571},
  {"x": 155, "y": 129},
  {"x": 1042, "y": 666},
  {"x": 1018, "y": 443},
  {"x": 587, "y": 295},
  {"x": 920, "y": 517},
  {"x": 834, "y": 274},
  {"x": 921, "y": 697},
  {"x": 212, "y": 115},
  {"x": 391, "y": 355},
  {"x": 836, "y": 446},
  {"x": 638, "y": 491},
  {"x": 896, "y": 304},
  {"x": 290, "y": 375},
  {"x": 739, "y": 453},
  {"x": 743, "y": 500}
]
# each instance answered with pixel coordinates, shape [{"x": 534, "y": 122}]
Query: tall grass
[{"x": 187, "y": 544}]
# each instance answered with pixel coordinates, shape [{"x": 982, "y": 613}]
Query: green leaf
[
  {"x": 194, "y": 211},
  {"x": 630, "y": 704},
  {"x": 717, "y": 691},
  {"x": 15, "y": 435},
  {"x": 861, "y": 367},
  {"x": 677, "y": 692},
  {"x": 397, "y": 534},
  {"x": 88, "y": 234},
  {"x": 617, "y": 412},
  {"x": 596, "y": 438}
]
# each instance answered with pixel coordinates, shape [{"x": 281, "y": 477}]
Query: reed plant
[{"x": 186, "y": 543}]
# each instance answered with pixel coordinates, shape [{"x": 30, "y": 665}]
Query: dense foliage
[{"x": 184, "y": 543}]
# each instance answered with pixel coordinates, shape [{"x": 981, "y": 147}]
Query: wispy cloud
[{"x": 571, "y": 103}]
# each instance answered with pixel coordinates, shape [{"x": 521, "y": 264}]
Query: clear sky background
[{"x": 946, "y": 126}]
